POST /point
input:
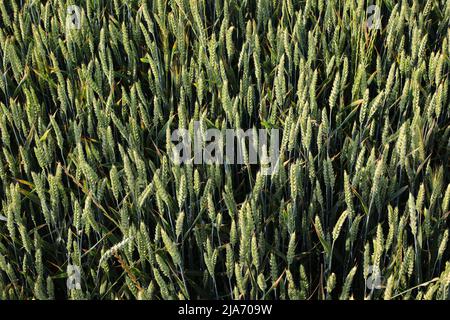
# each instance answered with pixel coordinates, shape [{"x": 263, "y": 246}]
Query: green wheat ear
[{"x": 86, "y": 118}]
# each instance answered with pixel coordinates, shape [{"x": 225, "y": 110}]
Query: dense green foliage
[{"x": 86, "y": 179}]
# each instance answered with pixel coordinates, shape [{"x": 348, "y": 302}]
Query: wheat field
[{"x": 93, "y": 207}]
